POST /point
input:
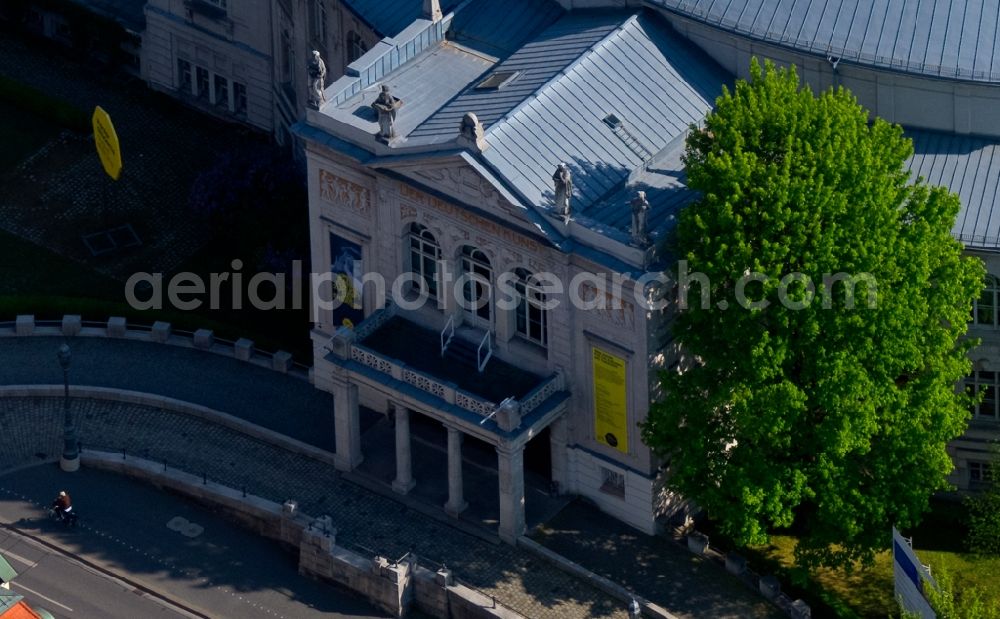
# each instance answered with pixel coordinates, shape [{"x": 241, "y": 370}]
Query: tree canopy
[{"x": 804, "y": 405}]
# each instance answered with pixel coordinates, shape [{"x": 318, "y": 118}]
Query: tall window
[
  {"x": 318, "y": 19},
  {"x": 987, "y": 384},
  {"x": 424, "y": 255},
  {"x": 477, "y": 289},
  {"x": 202, "y": 75},
  {"x": 239, "y": 99},
  {"x": 221, "y": 92},
  {"x": 532, "y": 318},
  {"x": 184, "y": 76},
  {"x": 984, "y": 310},
  {"x": 356, "y": 47}
]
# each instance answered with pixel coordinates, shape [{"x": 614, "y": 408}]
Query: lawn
[
  {"x": 869, "y": 592},
  {"x": 22, "y": 133}
]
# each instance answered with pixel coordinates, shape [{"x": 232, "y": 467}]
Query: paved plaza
[{"x": 367, "y": 521}]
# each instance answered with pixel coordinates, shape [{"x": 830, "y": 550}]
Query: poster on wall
[
  {"x": 610, "y": 410},
  {"x": 345, "y": 264}
]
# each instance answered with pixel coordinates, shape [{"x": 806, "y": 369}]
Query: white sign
[{"x": 910, "y": 577}]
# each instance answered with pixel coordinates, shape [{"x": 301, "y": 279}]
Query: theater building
[{"x": 486, "y": 152}]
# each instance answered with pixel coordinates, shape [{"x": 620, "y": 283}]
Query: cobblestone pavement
[
  {"x": 364, "y": 520},
  {"x": 295, "y": 408},
  {"x": 56, "y": 195},
  {"x": 270, "y": 399}
]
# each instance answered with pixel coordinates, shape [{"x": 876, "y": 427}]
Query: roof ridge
[{"x": 633, "y": 18}]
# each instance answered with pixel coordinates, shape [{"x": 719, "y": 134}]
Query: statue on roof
[
  {"x": 640, "y": 208},
  {"x": 471, "y": 131},
  {"x": 386, "y": 105},
  {"x": 563, "y": 182},
  {"x": 317, "y": 81}
]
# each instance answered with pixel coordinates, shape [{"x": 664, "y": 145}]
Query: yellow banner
[
  {"x": 106, "y": 141},
  {"x": 610, "y": 409}
]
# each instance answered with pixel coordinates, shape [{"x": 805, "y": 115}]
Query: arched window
[
  {"x": 424, "y": 255},
  {"x": 477, "y": 287},
  {"x": 531, "y": 315},
  {"x": 356, "y": 47},
  {"x": 984, "y": 310}
]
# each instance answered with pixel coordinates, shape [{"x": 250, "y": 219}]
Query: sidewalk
[
  {"x": 214, "y": 568},
  {"x": 656, "y": 569}
]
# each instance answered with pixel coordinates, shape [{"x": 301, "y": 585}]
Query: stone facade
[
  {"x": 459, "y": 207},
  {"x": 212, "y": 55}
]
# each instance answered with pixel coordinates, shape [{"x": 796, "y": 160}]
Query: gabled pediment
[{"x": 458, "y": 182}]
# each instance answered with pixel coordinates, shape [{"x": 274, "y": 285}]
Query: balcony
[{"x": 400, "y": 351}]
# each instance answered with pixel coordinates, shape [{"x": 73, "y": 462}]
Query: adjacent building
[{"x": 484, "y": 152}]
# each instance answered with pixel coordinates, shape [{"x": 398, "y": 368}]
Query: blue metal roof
[
  {"x": 390, "y": 17},
  {"x": 941, "y": 38},
  {"x": 641, "y": 71},
  {"x": 424, "y": 84},
  {"x": 970, "y": 167},
  {"x": 539, "y": 61},
  {"x": 500, "y": 28}
]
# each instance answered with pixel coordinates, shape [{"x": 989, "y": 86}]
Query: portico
[{"x": 407, "y": 395}]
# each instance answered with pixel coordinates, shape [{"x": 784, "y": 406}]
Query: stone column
[
  {"x": 510, "y": 469},
  {"x": 456, "y": 500},
  {"x": 558, "y": 432},
  {"x": 404, "y": 461},
  {"x": 347, "y": 425}
]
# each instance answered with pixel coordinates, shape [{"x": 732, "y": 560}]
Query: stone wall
[{"x": 392, "y": 586}]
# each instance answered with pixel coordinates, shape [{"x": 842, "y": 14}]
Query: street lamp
[{"x": 70, "y": 460}]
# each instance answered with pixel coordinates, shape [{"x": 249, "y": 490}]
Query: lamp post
[{"x": 70, "y": 460}]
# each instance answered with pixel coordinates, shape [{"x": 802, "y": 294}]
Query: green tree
[
  {"x": 832, "y": 418},
  {"x": 984, "y": 513}
]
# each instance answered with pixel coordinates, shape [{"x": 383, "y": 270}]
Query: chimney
[{"x": 432, "y": 10}]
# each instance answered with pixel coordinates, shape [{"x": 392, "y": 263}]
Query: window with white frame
[
  {"x": 984, "y": 309},
  {"x": 980, "y": 473},
  {"x": 477, "y": 286},
  {"x": 239, "y": 99},
  {"x": 985, "y": 383},
  {"x": 221, "y": 92},
  {"x": 424, "y": 255},
  {"x": 202, "y": 83},
  {"x": 356, "y": 46},
  {"x": 612, "y": 482},
  {"x": 531, "y": 316},
  {"x": 184, "y": 80}
]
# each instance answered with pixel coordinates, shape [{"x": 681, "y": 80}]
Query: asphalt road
[
  {"x": 161, "y": 543},
  {"x": 67, "y": 588}
]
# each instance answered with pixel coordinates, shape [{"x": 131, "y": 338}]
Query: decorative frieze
[
  {"x": 479, "y": 223},
  {"x": 340, "y": 191}
]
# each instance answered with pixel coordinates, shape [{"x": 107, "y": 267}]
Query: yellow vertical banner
[
  {"x": 610, "y": 409},
  {"x": 106, "y": 141}
]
